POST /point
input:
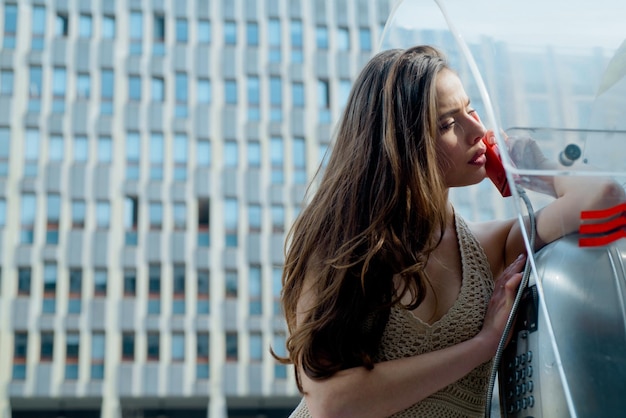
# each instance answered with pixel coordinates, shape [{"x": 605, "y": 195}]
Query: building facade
[{"x": 152, "y": 156}]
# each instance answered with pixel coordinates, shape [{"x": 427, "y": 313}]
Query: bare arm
[
  {"x": 561, "y": 217},
  {"x": 362, "y": 393}
]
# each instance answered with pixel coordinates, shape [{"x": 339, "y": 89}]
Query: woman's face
[{"x": 459, "y": 133}]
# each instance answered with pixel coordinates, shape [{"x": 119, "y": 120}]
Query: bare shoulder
[{"x": 494, "y": 237}]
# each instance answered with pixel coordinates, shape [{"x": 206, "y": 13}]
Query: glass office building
[{"x": 153, "y": 154}]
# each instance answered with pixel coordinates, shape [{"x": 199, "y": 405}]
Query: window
[
  {"x": 103, "y": 215},
  {"x": 344, "y": 92},
  {"x": 158, "y": 43},
  {"x": 108, "y": 27},
  {"x": 154, "y": 283},
  {"x": 296, "y": 41},
  {"x": 106, "y": 91},
  {"x": 202, "y": 355},
  {"x": 297, "y": 94},
  {"x": 97, "y": 355},
  {"x": 231, "y": 215},
  {"x": 53, "y": 215},
  {"x": 178, "y": 304},
  {"x": 34, "y": 89},
  {"x": 232, "y": 347},
  {"x": 255, "y": 287},
  {"x": 153, "y": 346},
  {"x": 131, "y": 220},
  {"x": 154, "y": 289},
  {"x": 230, "y": 33},
  {"x": 130, "y": 282},
  {"x": 256, "y": 347},
  {"x": 203, "y": 223},
  {"x": 105, "y": 149},
  {"x": 134, "y": 88},
  {"x": 178, "y": 347},
  {"x": 299, "y": 160},
  {"x": 321, "y": 37},
  {"x": 203, "y": 153},
  {"x": 10, "y": 26},
  {"x": 277, "y": 286},
  {"x": 158, "y": 89},
  {"x": 254, "y": 218},
  {"x": 31, "y": 153},
  {"x": 6, "y": 82},
  {"x": 133, "y": 152},
  {"x": 203, "y": 91},
  {"x": 203, "y": 307},
  {"x": 83, "y": 86},
  {"x": 84, "y": 26},
  {"x": 179, "y": 210},
  {"x": 274, "y": 40},
  {"x": 156, "y": 156},
  {"x": 81, "y": 149},
  {"x": 365, "y": 39},
  {"x": 252, "y": 33},
  {"x": 61, "y": 27},
  {"x": 28, "y": 218},
  {"x": 100, "y": 282},
  {"x": 254, "y": 154},
  {"x": 323, "y": 101},
  {"x": 181, "y": 95},
  {"x": 23, "y": 281},
  {"x": 230, "y": 91},
  {"x": 343, "y": 39},
  {"x": 204, "y": 31},
  {"x": 72, "y": 341},
  {"x": 180, "y": 157},
  {"x": 75, "y": 291},
  {"x": 46, "y": 352},
  {"x": 232, "y": 285},
  {"x": 20, "y": 349},
  {"x": 278, "y": 218},
  {"x": 5, "y": 148},
  {"x": 49, "y": 288},
  {"x": 38, "y": 28},
  {"x": 277, "y": 159},
  {"x": 128, "y": 346},
  {"x": 276, "y": 99},
  {"x": 231, "y": 154},
  {"x": 136, "y": 33},
  {"x": 279, "y": 344},
  {"x": 182, "y": 31},
  {"x": 155, "y": 212},
  {"x": 78, "y": 214},
  {"x": 254, "y": 112}
]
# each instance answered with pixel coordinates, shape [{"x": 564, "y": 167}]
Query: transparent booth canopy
[{"x": 554, "y": 72}]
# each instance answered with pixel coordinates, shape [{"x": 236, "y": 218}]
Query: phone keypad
[{"x": 520, "y": 383}]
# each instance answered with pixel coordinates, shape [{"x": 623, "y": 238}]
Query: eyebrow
[{"x": 453, "y": 111}]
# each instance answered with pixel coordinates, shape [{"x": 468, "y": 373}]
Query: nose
[{"x": 475, "y": 130}]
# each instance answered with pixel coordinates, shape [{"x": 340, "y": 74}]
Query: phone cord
[{"x": 516, "y": 302}]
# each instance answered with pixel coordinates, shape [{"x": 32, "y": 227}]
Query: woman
[{"x": 389, "y": 295}]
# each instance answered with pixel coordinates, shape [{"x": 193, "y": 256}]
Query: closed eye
[{"x": 446, "y": 126}]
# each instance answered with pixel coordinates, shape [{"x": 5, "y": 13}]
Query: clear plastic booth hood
[{"x": 554, "y": 72}]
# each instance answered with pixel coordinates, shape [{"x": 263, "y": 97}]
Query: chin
[{"x": 467, "y": 181}]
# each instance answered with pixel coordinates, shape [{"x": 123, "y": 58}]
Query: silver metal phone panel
[{"x": 572, "y": 361}]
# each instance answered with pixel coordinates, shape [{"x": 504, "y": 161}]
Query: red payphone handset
[{"x": 494, "y": 167}]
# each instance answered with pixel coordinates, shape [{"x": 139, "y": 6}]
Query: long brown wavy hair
[{"x": 377, "y": 214}]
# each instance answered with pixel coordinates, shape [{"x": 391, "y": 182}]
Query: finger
[
  {"x": 513, "y": 282},
  {"x": 516, "y": 265}
]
